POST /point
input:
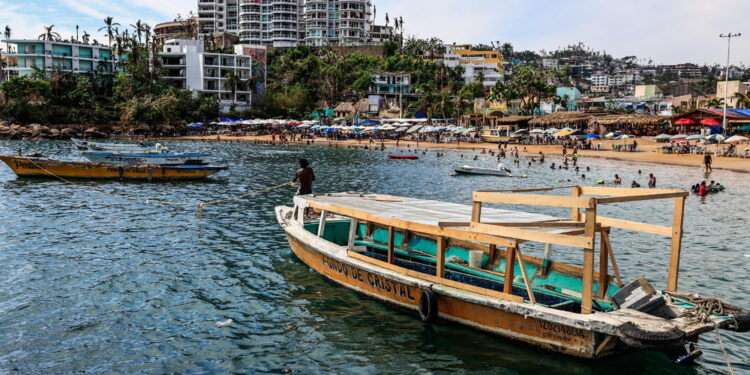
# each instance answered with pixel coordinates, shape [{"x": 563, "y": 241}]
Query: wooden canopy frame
[{"x": 584, "y": 226}]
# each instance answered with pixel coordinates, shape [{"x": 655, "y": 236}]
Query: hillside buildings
[
  {"x": 189, "y": 66},
  {"x": 285, "y": 23},
  {"x": 26, "y": 54},
  {"x": 486, "y": 65},
  {"x": 178, "y": 29}
]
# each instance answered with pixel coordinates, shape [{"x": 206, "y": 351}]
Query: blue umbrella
[
  {"x": 330, "y": 130},
  {"x": 196, "y": 125},
  {"x": 587, "y": 136}
]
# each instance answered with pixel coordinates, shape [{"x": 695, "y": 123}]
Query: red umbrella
[
  {"x": 685, "y": 121},
  {"x": 710, "y": 122}
]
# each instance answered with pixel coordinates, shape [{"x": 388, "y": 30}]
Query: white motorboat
[{"x": 502, "y": 172}]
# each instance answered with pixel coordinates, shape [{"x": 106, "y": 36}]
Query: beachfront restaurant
[{"x": 709, "y": 120}]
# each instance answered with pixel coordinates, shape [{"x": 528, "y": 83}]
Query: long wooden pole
[
  {"x": 674, "y": 257},
  {"x": 603, "y": 267},
  {"x": 611, "y": 254},
  {"x": 575, "y": 211},
  {"x": 322, "y": 223},
  {"x": 352, "y": 233},
  {"x": 522, "y": 266},
  {"x": 588, "y": 263}
]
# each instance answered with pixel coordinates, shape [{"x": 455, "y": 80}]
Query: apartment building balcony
[{"x": 172, "y": 61}]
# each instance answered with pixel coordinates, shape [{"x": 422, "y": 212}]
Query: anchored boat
[
  {"x": 482, "y": 171},
  {"x": 112, "y": 146},
  {"x": 25, "y": 166},
  {"x": 466, "y": 264},
  {"x": 403, "y": 157},
  {"x": 129, "y": 158}
]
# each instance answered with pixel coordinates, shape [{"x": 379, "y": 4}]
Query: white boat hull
[
  {"x": 155, "y": 159},
  {"x": 482, "y": 171}
]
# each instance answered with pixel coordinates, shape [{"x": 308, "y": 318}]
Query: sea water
[{"x": 93, "y": 283}]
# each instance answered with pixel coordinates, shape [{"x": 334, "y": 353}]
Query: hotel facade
[{"x": 26, "y": 54}]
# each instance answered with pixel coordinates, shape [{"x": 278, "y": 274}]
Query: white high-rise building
[
  {"x": 337, "y": 22},
  {"x": 285, "y": 23}
]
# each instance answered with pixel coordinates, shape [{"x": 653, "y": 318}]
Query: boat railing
[{"x": 583, "y": 226}]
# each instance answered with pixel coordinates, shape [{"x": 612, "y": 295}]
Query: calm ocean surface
[{"x": 90, "y": 283}]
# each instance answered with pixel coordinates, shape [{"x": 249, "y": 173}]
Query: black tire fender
[
  {"x": 428, "y": 306},
  {"x": 742, "y": 319},
  {"x": 632, "y": 335}
]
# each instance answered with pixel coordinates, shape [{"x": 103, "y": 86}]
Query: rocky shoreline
[{"x": 11, "y": 131}]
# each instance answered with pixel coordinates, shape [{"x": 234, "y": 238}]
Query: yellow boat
[
  {"x": 464, "y": 264},
  {"x": 27, "y": 166}
]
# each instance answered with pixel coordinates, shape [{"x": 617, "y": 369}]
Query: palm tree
[
  {"x": 714, "y": 102},
  {"x": 109, "y": 25},
  {"x": 85, "y": 37},
  {"x": 48, "y": 34},
  {"x": 743, "y": 100},
  {"x": 231, "y": 82},
  {"x": 7, "y": 33},
  {"x": 138, "y": 29}
]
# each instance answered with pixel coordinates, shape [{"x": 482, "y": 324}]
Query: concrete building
[
  {"x": 569, "y": 95},
  {"x": 732, "y": 88},
  {"x": 178, "y": 29},
  {"x": 186, "y": 63},
  {"x": 218, "y": 16},
  {"x": 270, "y": 22},
  {"x": 337, "y": 22},
  {"x": 475, "y": 63},
  {"x": 380, "y": 33},
  {"x": 549, "y": 62},
  {"x": 391, "y": 85},
  {"x": 647, "y": 91},
  {"x": 24, "y": 54}
]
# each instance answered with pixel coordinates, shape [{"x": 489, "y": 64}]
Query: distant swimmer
[
  {"x": 618, "y": 180},
  {"x": 651, "y": 180},
  {"x": 635, "y": 184}
]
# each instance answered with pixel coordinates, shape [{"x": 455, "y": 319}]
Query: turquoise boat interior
[{"x": 558, "y": 285}]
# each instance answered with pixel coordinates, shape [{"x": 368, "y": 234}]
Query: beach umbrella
[
  {"x": 331, "y": 129},
  {"x": 196, "y": 125},
  {"x": 563, "y": 133},
  {"x": 710, "y": 122},
  {"x": 746, "y": 127},
  {"x": 551, "y": 131},
  {"x": 737, "y": 139},
  {"x": 716, "y": 137},
  {"x": 685, "y": 121},
  {"x": 694, "y": 137},
  {"x": 589, "y": 136},
  {"x": 519, "y": 131},
  {"x": 566, "y": 129},
  {"x": 663, "y": 137},
  {"x": 678, "y": 136},
  {"x": 627, "y": 136},
  {"x": 303, "y": 126},
  {"x": 612, "y": 135},
  {"x": 536, "y": 131}
]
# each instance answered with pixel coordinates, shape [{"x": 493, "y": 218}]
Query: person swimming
[
  {"x": 553, "y": 166},
  {"x": 618, "y": 180},
  {"x": 635, "y": 184}
]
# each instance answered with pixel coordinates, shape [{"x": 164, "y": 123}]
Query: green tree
[
  {"x": 528, "y": 85},
  {"x": 48, "y": 34}
]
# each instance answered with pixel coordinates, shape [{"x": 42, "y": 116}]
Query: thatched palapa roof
[
  {"x": 512, "y": 119},
  {"x": 630, "y": 120},
  {"x": 562, "y": 119}
]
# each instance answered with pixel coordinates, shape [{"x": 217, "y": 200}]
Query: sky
[{"x": 665, "y": 31}]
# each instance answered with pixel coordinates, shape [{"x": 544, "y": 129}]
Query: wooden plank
[
  {"x": 588, "y": 264},
  {"x": 522, "y": 266},
  {"x": 575, "y": 212},
  {"x": 476, "y": 211},
  {"x": 322, "y": 223},
  {"x": 676, "y": 247},
  {"x": 532, "y": 235},
  {"x": 534, "y": 200},
  {"x": 611, "y": 254},
  {"x": 430, "y": 278},
  {"x": 528, "y": 190},
  {"x": 635, "y": 226},
  {"x": 634, "y": 198},
  {"x": 352, "y": 233},
  {"x": 492, "y": 253},
  {"x": 543, "y": 223},
  {"x": 603, "y": 267},
  {"x": 369, "y": 226},
  {"x": 440, "y": 257},
  {"x": 618, "y": 192},
  {"x": 391, "y": 251},
  {"x": 433, "y": 230},
  {"x": 510, "y": 259}
]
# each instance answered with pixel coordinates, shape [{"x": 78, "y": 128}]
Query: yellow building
[
  {"x": 732, "y": 88},
  {"x": 488, "y": 63}
]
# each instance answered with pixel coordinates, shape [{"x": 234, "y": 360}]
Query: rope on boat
[
  {"x": 703, "y": 308},
  {"x": 198, "y": 205}
]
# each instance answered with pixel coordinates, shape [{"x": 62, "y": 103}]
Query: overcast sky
[{"x": 667, "y": 31}]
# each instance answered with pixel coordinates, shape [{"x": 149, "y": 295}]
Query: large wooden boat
[
  {"x": 465, "y": 264},
  {"x": 25, "y": 166}
]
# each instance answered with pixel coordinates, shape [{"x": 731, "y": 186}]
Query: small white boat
[
  {"x": 504, "y": 172},
  {"x": 116, "y": 147},
  {"x": 130, "y": 158}
]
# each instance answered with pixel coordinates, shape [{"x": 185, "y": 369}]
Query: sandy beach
[{"x": 648, "y": 152}]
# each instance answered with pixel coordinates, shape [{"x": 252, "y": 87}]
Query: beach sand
[{"x": 647, "y": 154}]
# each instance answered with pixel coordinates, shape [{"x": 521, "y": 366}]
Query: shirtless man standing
[{"x": 305, "y": 176}]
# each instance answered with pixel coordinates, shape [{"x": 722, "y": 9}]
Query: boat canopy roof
[{"x": 422, "y": 211}]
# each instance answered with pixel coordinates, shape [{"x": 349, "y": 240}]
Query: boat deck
[{"x": 429, "y": 212}]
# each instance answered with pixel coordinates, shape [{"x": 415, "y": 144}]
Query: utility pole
[
  {"x": 401, "y": 95},
  {"x": 729, "y": 37}
]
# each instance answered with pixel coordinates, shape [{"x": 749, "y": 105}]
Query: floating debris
[{"x": 225, "y": 323}]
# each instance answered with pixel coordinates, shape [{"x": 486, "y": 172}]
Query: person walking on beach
[
  {"x": 707, "y": 160},
  {"x": 651, "y": 181},
  {"x": 305, "y": 176}
]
